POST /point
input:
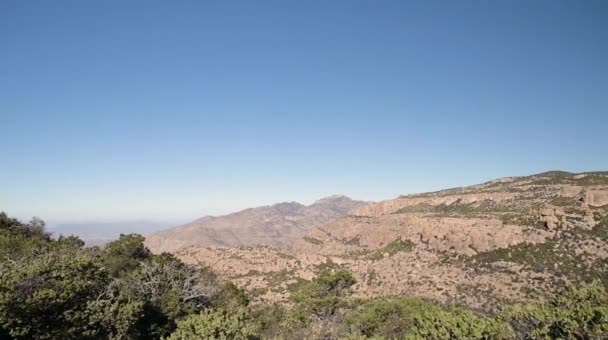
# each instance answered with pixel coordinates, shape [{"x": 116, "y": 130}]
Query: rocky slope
[
  {"x": 506, "y": 240},
  {"x": 277, "y": 225}
]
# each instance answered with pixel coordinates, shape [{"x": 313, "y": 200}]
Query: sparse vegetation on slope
[
  {"x": 600, "y": 230},
  {"x": 552, "y": 257},
  {"x": 391, "y": 249}
]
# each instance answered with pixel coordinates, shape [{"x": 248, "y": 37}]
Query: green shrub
[
  {"x": 524, "y": 219},
  {"x": 231, "y": 297},
  {"x": 124, "y": 254},
  {"x": 324, "y": 295},
  {"x": 270, "y": 321},
  {"x": 457, "y": 324},
  {"x": 552, "y": 256},
  {"x": 22, "y": 241},
  {"x": 35, "y": 228},
  {"x": 392, "y": 248},
  {"x": 55, "y": 289},
  {"x": 390, "y": 318},
  {"x": 574, "y": 313},
  {"x": 563, "y": 201},
  {"x": 213, "y": 324},
  {"x": 600, "y": 230},
  {"x": 312, "y": 240},
  {"x": 49, "y": 297}
]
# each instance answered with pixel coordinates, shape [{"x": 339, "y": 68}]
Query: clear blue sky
[{"x": 177, "y": 109}]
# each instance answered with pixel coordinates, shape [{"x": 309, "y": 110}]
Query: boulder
[
  {"x": 596, "y": 198},
  {"x": 549, "y": 216}
]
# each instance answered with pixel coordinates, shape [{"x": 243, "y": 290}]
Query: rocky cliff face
[
  {"x": 508, "y": 239},
  {"x": 276, "y": 225}
]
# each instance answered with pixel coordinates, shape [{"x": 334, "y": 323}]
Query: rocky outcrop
[
  {"x": 447, "y": 234},
  {"x": 551, "y": 217},
  {"x": 393, "y": 206},
  {"x": 597, "y": 197}
]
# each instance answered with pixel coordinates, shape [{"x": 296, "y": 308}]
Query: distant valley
[{"x": 98, "y": 233}]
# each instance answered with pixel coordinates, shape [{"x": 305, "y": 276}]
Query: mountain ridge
[{"x": 277, "y": 225}]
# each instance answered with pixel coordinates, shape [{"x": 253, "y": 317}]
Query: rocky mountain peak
[{"x": 333, "y": 199}]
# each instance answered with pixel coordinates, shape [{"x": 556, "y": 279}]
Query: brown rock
[{"x": 597, "y": 197}]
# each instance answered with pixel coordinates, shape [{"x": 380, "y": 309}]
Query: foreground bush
[
  {"x": 49, "y": 297},
  {"x": 56, "y": 289},
  {"x": 457, "y": 324},
  {"x": 575, "y": 313},
  {"x": 390, "y": 318},
  {"x": 214, "y": 324},
  {"x": 322, "y": 297}
]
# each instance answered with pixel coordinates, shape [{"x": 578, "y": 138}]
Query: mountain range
[{"x": 277, "y": 225}]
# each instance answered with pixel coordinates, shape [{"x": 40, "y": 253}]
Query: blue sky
[{"x": 177, "y": 109}]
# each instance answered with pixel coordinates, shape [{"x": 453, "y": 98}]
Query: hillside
[
  {"x": 510, "y": 239},
  {"x": 276, "y": 225}
]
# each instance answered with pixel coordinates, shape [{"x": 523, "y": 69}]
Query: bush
[
  {"x": 324, "y": 295},
  {"x": 457, "y": 324},
  {"x": 231, "y": 297},
  {"x": 36, "y": 227},
  {"x": 49, "y": 297},
  {"x": 213, "y": 324},
  {"x": 574, "y": 313},
  {"x": 163, "y": 290},
  {"x": 390, "y": 318},
  {"x": 414, "y": 318},
  {"x": 124, "y": 254},
  {"x": 392, "y": 248},
  {"x": 270, "y": 320},
  {"x": 55, "y": 289},
  {"x": 20, "y": 241}
]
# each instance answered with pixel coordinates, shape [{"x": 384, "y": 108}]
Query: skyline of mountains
[{"x": 275, "y": 225}]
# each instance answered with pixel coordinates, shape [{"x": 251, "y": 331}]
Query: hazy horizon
[
  {"x": 161, "y": 111},
  {"x": 176, "y": 221}
]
